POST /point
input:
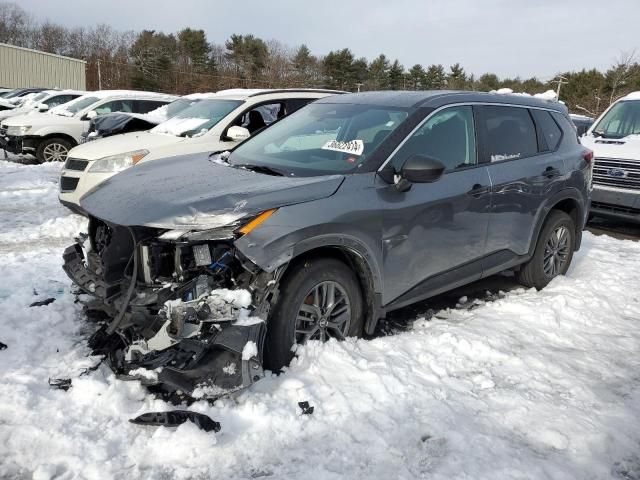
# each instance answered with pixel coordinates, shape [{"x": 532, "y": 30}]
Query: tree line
[{"x": 187, "y": 61}]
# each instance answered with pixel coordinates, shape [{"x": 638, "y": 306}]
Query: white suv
[
  {"x": 615, "y": 141},
  {"x": 216, "y": 123},
  {"x": 50, "y": 136}
]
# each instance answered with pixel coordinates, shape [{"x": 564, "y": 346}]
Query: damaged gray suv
[{"x": 354, "y": 206}]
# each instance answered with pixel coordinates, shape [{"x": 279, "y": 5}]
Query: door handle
[
  {"x": 478, "y": 190},
  {"x": 551, "y": 172}
]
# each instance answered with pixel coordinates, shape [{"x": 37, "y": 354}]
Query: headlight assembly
[
  {"x": 18, "y": 130},
  {"x": 117, "y": 163}
]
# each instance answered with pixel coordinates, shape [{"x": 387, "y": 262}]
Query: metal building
[{"x": 23, "y": 67}]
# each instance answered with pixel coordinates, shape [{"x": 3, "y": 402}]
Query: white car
[
  {"x": 49, "y": 136},
  {"x": 216, "y": 123},
  {"x": 614, "y": 139},
  {"x": 43, "y": 101}
]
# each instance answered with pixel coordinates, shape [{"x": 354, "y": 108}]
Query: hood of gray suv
[{"x": 192, "y": 192}]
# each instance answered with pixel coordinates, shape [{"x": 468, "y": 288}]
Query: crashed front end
[{"x": 182, "y": 311}]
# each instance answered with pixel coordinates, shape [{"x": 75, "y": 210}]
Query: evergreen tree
[
  {"x": 379, "y": 73},
  {"x": 435, "y": 78},
  {"x": 417, "y": 77},
  {"x": 396, "y": 76}
]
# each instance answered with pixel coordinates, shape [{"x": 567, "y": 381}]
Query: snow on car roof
[
  {"x": 548, "y": 95},
  {"x": 631, "y": 96}
]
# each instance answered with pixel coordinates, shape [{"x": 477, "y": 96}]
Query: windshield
[
  {"x": 621, "y": 120},
  {"x": 39, "y": 96},
  {"x": 320, "y": 139},
  {"x": 75, "y": 106},
  {"x": 197, "y": 119}
]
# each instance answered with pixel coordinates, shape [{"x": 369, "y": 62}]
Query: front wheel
[
  {"x": 553, "y": 253},
  {"x": 53, "y": 150},
  {"x": 319, "y": 299}
]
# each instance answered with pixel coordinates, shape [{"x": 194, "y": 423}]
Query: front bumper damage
[
  {"x": 184, "y": 327},
  {"x": 18, "y": 145}
]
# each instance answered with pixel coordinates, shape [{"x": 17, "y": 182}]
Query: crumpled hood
[
  {"x": 627, "y": 148},
  {"x": 192, "y": 192}
]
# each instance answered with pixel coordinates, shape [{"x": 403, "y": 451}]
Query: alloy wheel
[
  {"x": 556, "y": 251},
  {"x": 324, "y": 313},
  {"x": 55, "y": 152}
]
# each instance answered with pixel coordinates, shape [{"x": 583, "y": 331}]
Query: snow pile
[
  {"x": 531, "y": 385},
  {"x": 548, "y": 95}
]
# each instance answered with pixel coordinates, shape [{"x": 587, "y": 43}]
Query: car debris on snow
[
  {"x": 60, "y": 383},
  {"x": 177, "y": 417},
  {"x": 43, "y": 303},
  {"x": 306, "y": 408}
]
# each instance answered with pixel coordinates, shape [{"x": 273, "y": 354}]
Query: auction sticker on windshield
[{"x": 355, "y": 147}]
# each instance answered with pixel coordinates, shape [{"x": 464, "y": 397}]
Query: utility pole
[
  {"x": 561, "y": 81},
  {"x": 99, "y": 77}
]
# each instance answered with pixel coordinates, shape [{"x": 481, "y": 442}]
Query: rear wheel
[
  {"x": 53, "y": 150},
  {"x": 319, "y": 299},
  {"x": 553, "y": 253}
]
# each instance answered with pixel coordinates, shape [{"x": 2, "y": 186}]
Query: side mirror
[
  {"x": 91, "y": 114},
  {"x": 237, "y": 134},
  {"x": 43, "y": 107},
  {"x": 422, "y": 169}
]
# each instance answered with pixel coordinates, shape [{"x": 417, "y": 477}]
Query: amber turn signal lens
[
  {"x": 136, "y": 158},
  {"x": 257, "y": 221}
]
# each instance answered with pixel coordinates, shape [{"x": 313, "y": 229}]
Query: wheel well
[
  {"x": 571, "y": 208},
  {"x": 59, "y": 135},
  {"x": 362, "y": 270}
]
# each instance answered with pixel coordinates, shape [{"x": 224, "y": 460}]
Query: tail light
[{"x": 588, "y": 156}]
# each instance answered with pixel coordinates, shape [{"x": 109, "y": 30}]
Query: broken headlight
[{"x": 117, "y": 163}]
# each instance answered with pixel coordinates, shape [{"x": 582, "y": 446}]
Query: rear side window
[
  {"x": 566, "y": 125},
  {"x": 146, "y": 106},
  {"x": 510, "y": 133},
  {"x": 294, "y": 104},
  {"x": 549, "y": 131}
]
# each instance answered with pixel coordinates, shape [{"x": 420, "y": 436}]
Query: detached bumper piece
[
  {"x": 206, "y": 368},
  {"x": 175, "y": 418},
  {"x": 84, "y": 278}
]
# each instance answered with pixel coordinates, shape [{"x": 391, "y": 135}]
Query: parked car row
[
  {"x": 50, "y": 136},
  {"x": 254, "y": 221}
]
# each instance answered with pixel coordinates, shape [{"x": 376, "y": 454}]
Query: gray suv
[{"x": 352, "y": 207}]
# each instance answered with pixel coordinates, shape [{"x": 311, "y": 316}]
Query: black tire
[
  {"x": 53, "y": 150},
  {"x": 534, "y": 273},
  {"x": 296, "y": 288}
]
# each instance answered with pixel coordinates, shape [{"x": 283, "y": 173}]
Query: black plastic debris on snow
[
  {"x": 3, "y": 346},
  {"x": 43, "y": 303},
  {"x": 306, "y": 408},
  {"x": 60, "y": 383},
  {"x": 174, "y": 418}
]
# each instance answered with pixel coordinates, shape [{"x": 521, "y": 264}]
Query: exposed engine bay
[{"x": 183, "y": 312}]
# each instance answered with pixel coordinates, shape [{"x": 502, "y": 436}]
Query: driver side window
[{"x": 447, "y": 136}]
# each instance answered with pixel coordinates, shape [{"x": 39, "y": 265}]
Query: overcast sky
[{"x": 507, "y": 37}]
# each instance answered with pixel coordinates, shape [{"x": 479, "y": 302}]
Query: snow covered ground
[{"x": 531, "y": 385}]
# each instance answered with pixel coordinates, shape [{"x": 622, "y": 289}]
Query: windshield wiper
[{"x": 261, "y": 169}]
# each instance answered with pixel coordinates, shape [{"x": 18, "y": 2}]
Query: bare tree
[{"x": 621, "y": 72}]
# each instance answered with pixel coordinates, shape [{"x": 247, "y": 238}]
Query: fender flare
[{"x": 548, "y": 205}]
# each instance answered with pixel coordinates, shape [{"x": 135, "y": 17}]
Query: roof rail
[{"x": 298, "y": 90}]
